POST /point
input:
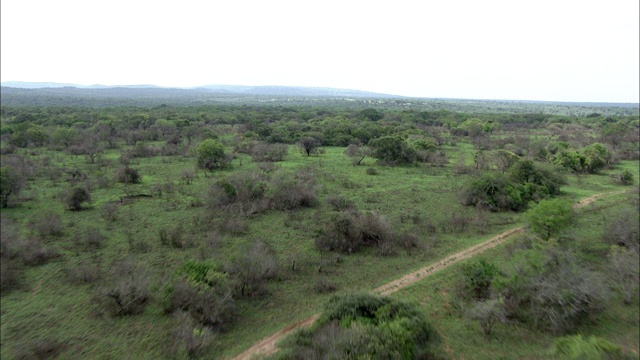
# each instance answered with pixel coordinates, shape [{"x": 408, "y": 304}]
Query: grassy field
[{"x": 421, "y": 199}]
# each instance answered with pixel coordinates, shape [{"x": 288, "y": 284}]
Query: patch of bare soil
[{"x": 267, "y": 346}]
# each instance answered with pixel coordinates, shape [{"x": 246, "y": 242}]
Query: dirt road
[{"x": 267, "y": 346}]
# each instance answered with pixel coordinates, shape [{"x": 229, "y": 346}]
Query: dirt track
[{"x": 267, "y": 346}]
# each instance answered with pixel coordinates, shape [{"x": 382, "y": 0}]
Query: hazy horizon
[{"x": 570, "y": 51}]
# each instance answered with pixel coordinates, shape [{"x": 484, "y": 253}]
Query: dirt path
[{"x": 267, "y": 346}]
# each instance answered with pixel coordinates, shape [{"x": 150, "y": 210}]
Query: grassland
[{"x": 51, "y": 306}]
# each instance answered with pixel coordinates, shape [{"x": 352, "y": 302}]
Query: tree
[
  {"x": 10, "y": 184},
  {"x": 75, "y": 197},
  {"x": 392, "y": 150},
  {"x": 357, "y": 153},
  {"x": 549, "y": 217},
  {"x": 309, "y": 145},
  {"x": 210, "y": 155},
  {"x": 371, "y": 114}
]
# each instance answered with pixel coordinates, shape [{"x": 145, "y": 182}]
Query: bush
[
  {"x": 549, "y": 217},
  {"x": 128, "y": 293},
  {"x": 49, "y": 224},
  {"x": 204, "y": 291},
  {"x": 192, "y": 340},
  {"x": 549, "y": 289},
  {"x": 624, "y": 231},
  {"x": 253, "y": 268},
  {"x": 265, "y": 152},
  {"x": 75, "y": 197},
  {"x": 11, "y": 183},
  {"x": 625, "y": 178},
  {"x": 495, "y": 192},
  {"x": 365, "y": 326},
  {"x": 210, "y": 155},
  {"x": 340, "y": 203},
  {"x": 127, "y": 175},
  {"x": 34, "y": 253},
  {"x": 478, "y": 276},
  {"x": 348, "y": 232}
]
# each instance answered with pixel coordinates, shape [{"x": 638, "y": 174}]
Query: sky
[{"x": 553, "y": 50}]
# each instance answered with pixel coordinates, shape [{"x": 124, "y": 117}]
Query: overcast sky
[{"x": 529, "y": 50}]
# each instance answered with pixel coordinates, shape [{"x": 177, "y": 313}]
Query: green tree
[
  {"x": 392, "y": 150},
  {"x": 550, "y": 217},
  {"x": 75, "y": 197},
  {"x": 210, "y": 155},
  {"x": 10, "y": 184}
]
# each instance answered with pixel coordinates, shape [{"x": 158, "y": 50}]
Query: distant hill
[{"x": 216, "y": 89}]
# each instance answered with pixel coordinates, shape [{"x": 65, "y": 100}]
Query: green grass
[{"x": 48, "y": 306}]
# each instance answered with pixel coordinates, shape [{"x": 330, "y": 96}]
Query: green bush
[
  {"x": 549, "y": 217},
  {"x": 363, "y": 326}
]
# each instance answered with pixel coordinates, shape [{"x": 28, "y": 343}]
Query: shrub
[
  {"x": 192, "y": 340},
  {"x": 348, "y": 232},
  {"x": 372, "y": 171},
  {"x": 128, "y": 293},
  {"x": 75, "y": 197},
  {"x": 494, "y": 192},
  {"x": 549, "y": 217},
  {"x": 487, "y": 313},
  {"x": 287, "y": 191},
  {"x": 128, "y": 175},
  {"x": 49, "y": 224},
  {"x": 478, "y": 276},
  {"x": 265, "y": 152},
  {"x": 210, "y": 155},
  {"x": 204, "y": 291},
  {"x": 34, "y": 253},
  {"x": 624, "y": 231},
  {"x": 392, "y": 150},
  {"x": 625, "y": 178},
  {"x": 253, "y": 269},
  {"x": 547, "y": 287},
  {"x": 366, "y": 326},
  {"x": 11, "y": 183},
  {"x": 93, "y": 239},
  {"x": 340, "y": 203}
]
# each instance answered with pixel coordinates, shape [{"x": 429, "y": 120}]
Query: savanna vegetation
[{"x": 193, "y": 231}]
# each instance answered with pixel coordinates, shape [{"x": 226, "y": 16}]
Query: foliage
[
  {"x": 548, "y": 288},
  {"x": 11, "y": 183},
  {"x": 210, "y": 155},
  {"x": 349, "y": 232},
  {"x": 128, "y": 175},
  {"x": 75, "y": 197},
  {"x": 495, "y": 192},
  {"x": 392, "y": 150},
  {"x": 624, "y": 272},
  {"x": 487, "y": 312},
  {"x": 549, "y": 217},
  {"x": 309, "y": 145},
  {"x": 478, "y": 276},
  {"x": 366, "y": 326}
]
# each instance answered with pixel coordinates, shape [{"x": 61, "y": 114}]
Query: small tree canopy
[
  {"x": 549, "y": 217},
  {"x": 210, "y": 155}
]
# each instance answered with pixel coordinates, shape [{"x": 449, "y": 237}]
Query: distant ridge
[{"x": 216, "y": 89}]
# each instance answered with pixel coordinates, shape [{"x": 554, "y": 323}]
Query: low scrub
[
  {"x": 349, "y": 232},
  {"x": 367, "y": 327}
]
